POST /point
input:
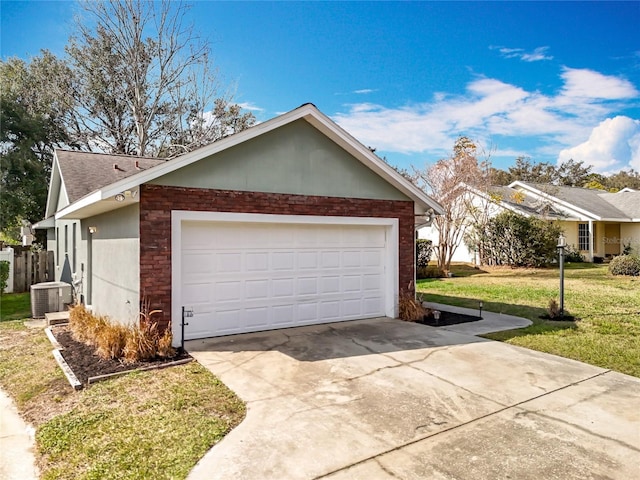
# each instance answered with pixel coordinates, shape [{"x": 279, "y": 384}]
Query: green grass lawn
[
  {"x": 14, "y": 306},
  {"x": 154, "y": 424},
  {"x": 607, "y": 333}
]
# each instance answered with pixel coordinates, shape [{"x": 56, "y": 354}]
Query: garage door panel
[
  {"x": 198, "y": 262},
  {"x": 283, "y": 261},
  {"x": 307, "y": 260},
  {"x": 330, "y": 259},
  {"x": 329, "y": 310},
  {"x": 196, "y": 293},
  {"x": 249, "y": 277},
  {"x": 372, "y": 282},
  {"x": 282, "y": 315},
  {"x": 330, "y": 284},
  {"x": 257, "y": 261},
  {"x": 228, "y": 262},
  {"x": 351, "y": 307},
  {"x": 371, "y": 305},
  {"x": 227, "y": 291},
  {"x": 351, "y": 283},
  {"x": 372, "y": 258},
  {"x": 283, "y": 287},
  {"x": 307, "y": 312},
  {"x": 307, "y": 286},
  {"x": 257, "y": 317}
]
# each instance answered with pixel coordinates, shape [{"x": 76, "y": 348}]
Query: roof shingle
[{"x": 86, "y": 172}]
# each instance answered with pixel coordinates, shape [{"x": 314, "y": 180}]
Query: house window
[
  {"x": 66, "y": 240},
  {"x": 57, "y": 246},
  {"x": 74, "y": 247},
  {"x": 583, "y": 236}
]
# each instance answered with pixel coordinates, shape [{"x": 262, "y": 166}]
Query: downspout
[{"x": 591, "y": 240}]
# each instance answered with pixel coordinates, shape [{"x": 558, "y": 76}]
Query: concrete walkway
[
  {"x": 491, "y": 322},
  {"x": 385, "y": 399},
  {"x": 17, "y": 461}
]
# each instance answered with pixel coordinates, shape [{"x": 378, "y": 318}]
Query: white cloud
[
  {"x": 584, "y": 83},
  {"x": 496, "y": 112},
  {"x": 538, "y": 54},
  {"x": 612, "y": 145},
  {"x": 364, "y": 91},
  {"x": 251, "y": 107}
]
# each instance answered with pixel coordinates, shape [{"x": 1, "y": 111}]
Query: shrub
[
  {"x": 409, "y": 308},
  {"x": 573, "y": 255},
  {"x": 4, "y": 275},
  {"x": 429, "y": 272},
  {"x": 625, "y": 265},
  {"x": 518, "y": 241},
  {"x": 424, "y": 250},
  {"x": 553, "y": 310}
]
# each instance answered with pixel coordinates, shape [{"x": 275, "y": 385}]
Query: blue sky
[{"x": 551, "y": 81}]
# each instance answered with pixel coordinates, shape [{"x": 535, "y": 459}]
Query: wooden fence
[{"x": 31, "y": 267}]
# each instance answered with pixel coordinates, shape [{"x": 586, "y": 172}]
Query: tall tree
[
  {"x": 25, "y": 165},
  {"x": 572, "y": 173},
  {"x": 32, "y": 120},
  {"x": 623, "y": 179},
  {"x": 448, "y": 181},
  {"x": 527, "y": 171},
  {"x": 144, "y": 83}
]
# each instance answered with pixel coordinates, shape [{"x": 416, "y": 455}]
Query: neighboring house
[
  {"x": 598, "y": 224},
  {"x": 291, "y": 222}
]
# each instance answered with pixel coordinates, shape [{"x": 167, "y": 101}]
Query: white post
[
  {"x": 6, "y": 255},
  {"x": 591, "y": 240}
]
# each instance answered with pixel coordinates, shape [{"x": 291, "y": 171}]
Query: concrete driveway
[{"x": 382, "y": 399}]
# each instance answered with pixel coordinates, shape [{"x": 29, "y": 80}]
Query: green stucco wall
[
  {"x": 295, "y": 158},
  {"x": 112, "y": 276}
]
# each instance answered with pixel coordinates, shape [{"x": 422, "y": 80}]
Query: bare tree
[
  {"x": 144, "y": 82},
  {"x": 448, "y": 181}
]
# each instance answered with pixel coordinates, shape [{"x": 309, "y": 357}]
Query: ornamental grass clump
[
  {"x": 410, "y": 309},
  {"x": 117, "y": 341}
]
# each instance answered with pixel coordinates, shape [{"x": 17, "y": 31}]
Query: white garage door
[{"x": 246, "y": 277}]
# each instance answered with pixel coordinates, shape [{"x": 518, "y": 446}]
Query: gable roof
[
  {"x": 583, "y": 203},
  {"x": 84, "y": 172},
  {"x": 75, "y": 174},
  {"x": 101, "y": 198}
]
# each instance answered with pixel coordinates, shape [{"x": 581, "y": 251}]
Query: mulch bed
[
  {"x": 448, "y": 318},
  {"x": 85, "y": 363}
]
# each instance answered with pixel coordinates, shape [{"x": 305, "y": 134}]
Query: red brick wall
[{"x": 157, "y": 202}]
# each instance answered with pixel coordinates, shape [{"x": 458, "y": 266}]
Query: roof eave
[{"x": 564, "y": 203}]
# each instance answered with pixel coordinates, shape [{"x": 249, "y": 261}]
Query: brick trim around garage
[{"x": 157, "y": 202}]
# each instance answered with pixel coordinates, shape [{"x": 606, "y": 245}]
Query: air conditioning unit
[{"x": 49, "y": 297}]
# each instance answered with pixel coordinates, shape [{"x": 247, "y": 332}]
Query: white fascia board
[
  {"x": 85, "y": 201},
  {"x": 54, "y": 179},
  {"x": 620, "y": 220},
  {"x": 565, "y": 204},
  {"x": 44, "y": 224}
]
